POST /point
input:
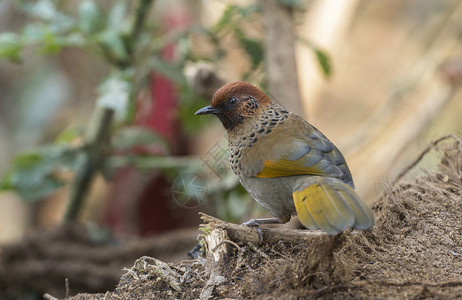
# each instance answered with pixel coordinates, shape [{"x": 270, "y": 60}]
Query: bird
[{"x": 287, "y": 165}]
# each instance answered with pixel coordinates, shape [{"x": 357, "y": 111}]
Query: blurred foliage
[
  {"x": 291, "y": 3},
  {"x": 233, "y": 22},
  {"x": 130, "y": 138},
  {"x": 116, "y": 93},
  {"x": 321, "y": 56},
  {"x": 132, "y": 47},
  {"x": 33, "y": 174}
]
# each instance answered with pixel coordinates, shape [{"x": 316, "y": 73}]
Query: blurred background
[{"x": 97, "y": 102}]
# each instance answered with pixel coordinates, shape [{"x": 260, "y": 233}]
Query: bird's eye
[{"x": 232, "y": 100}]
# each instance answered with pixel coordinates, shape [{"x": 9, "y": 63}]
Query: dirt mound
[
  {"x": 414, "y": 251},
  {"x": 42, "y": 260}
]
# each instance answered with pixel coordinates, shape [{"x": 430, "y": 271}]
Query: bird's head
[{"x": 236, "y": 102}]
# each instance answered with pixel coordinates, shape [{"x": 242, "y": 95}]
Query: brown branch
[
  {"x": 280, "y": 63},
  {"x": 228, "y": 242},
  {"x": 97, "y": 140},
  {"x": 245, "y": 234}
]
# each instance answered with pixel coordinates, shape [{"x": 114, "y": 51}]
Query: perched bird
[{"x": 286, "y": 164}]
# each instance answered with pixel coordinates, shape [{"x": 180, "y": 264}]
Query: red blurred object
[{"x": 142, "y": 203}]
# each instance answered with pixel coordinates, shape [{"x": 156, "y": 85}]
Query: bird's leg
[{"x": 257, "y": 222}]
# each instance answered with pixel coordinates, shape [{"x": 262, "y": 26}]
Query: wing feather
[{"x": 330, "y": 205}]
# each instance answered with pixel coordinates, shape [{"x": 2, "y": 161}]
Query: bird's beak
[{"x": 208, "y": 110}]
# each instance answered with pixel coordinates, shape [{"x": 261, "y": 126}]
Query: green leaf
[
  {"x": 115, "y": 93},
  {"x": 34, "y": 173},
  {"x": 112, "y": 42},
  {"x": 33, "y": 33},
  {"x": 27, "y": 160},
  {"x": 172, "y": 71},
  {"x": 43, "y": 9},
  {"x": 117, "y": 17},
  {"x": 63, "y": 24},
  {"x": 248, "y": 10},
  {"x": 130, "y": 137},
  {"x": 50, "y": 42},
  {"x": 183, "y": 49},
  {"x": 321, "y": 56},
  {"x": 232, "y": 16},
  {"x": 72, "y": 40},
  {"x": 43, "y": 35},
  {"x": 68, "y": 135},
  {"x": 49, "y": 39},
  {"x": 5, "y": 182},
  {"x": 10, "y": 46},
  {"x": 291, "y": 3},
  {"x": 46, "y": 10},
  {"x": 324, "y": 62},
  {"x": 252, "y": 47},
  {"x": 226, "y": 19},
  {"x": 90, "y": 17}
]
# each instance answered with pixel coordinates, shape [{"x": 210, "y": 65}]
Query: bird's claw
[
  {"x": 251, "y": 223},
  {"x": 254, "y": 224},
  {"x": 260, "y": 234}
]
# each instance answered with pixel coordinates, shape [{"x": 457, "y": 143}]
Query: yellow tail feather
[{"x": 330, "y": 205}]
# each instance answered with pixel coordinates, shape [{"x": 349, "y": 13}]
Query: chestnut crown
[{"x": 234, "y": 102}]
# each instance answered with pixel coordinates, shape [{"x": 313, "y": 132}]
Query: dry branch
[
  {"x": 245, "y": 234},
  {"x": 280, "y": 63}
]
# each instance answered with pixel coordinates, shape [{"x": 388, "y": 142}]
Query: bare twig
[
  {"x": 140, "y": 16},
  {"x": 431, "y": 146},
  {"x": 49, "y": 297},
  {"x": 97, "y": 140},
  {"x": 67, "y": 287},
  {"x": 228, "y": 242}
]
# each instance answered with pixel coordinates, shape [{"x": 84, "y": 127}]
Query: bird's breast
[{"x": 253, "y": 138}]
